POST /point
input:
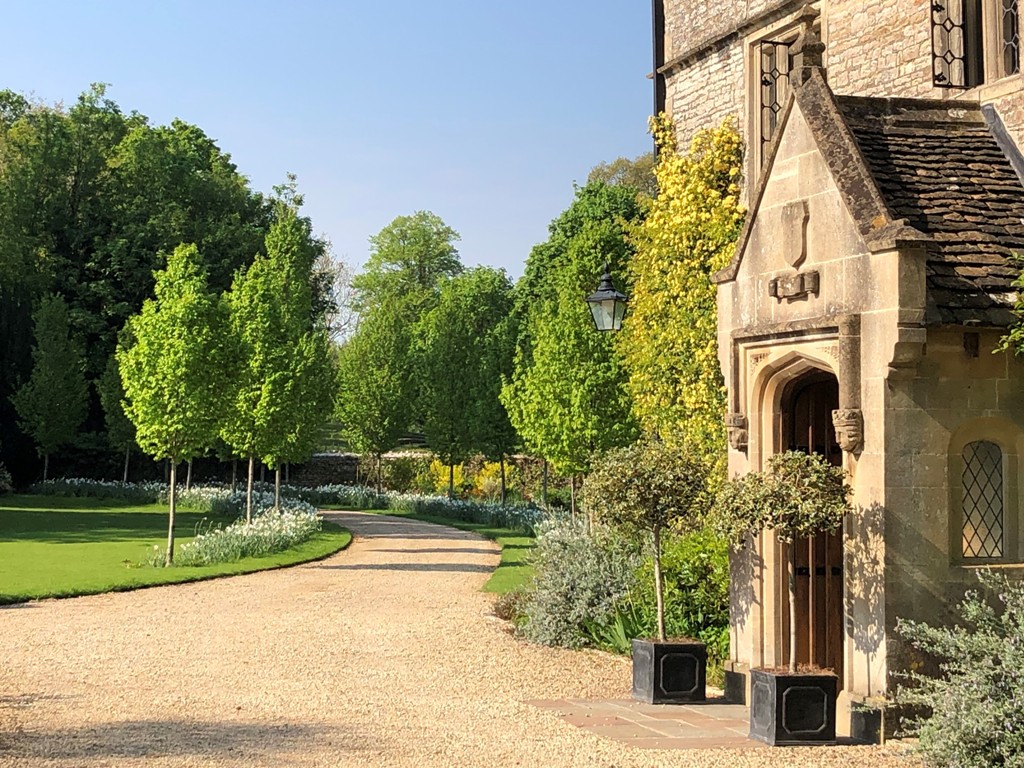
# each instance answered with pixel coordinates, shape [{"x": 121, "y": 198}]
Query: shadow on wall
[
  {"x": 865, "y": 582},
  {"x": 744, "y": 566}
]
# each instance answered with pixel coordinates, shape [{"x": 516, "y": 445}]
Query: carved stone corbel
[
  {"x": 736, "y": 424},
  {"x": 849, "y": 426}
]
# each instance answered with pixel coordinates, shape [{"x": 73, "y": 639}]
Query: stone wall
[
  {"x": 1011, "y": 110},
  {"x": 327, "y": 469},
  {"x": 705, "y": 94},
  {"x": 880, "y": 48},
  {"x": 874, "y": 48},
  {"x": 954, "y": 399}
]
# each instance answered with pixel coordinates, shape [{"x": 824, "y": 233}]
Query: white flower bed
[{"x": 269, "y": 533}]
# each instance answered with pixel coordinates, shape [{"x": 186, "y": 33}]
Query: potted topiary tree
[
  {"x": 798, "y": 496},
  {"x": 648, "y": 487}
]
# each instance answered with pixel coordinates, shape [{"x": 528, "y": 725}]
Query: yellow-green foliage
[
  {"x": 669, "y": 340},
  {"x": 439, "y": 476},
  {"x": 487, "y": 482}
]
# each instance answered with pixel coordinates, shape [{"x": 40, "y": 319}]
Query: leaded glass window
[
  {"x": 1009, "y": 35},
  {"x": 983, "y": 522},
  {"x": 775, "y": 68}
]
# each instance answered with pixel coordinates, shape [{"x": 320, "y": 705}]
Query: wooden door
[{"x": 819, "y": 574}]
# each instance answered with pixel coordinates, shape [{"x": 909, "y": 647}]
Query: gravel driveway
[{"x": 382, "y": 655}]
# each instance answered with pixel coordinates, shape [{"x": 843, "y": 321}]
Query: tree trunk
[
  {"x": 169, "y": 556},
  {"x": 659, "y": 589},
  {"x": 451, "y": 481},
  {"x": 792, "y": 606},
  {"x": 572, "y": 495},
  {"x": 127, "y": 456},
  {"x": 234, "y": 475},
  {"x": 277, "y": 488},
  {"x": 380, "y": 476},
  {"x": 46, "y": 466},
  {"x": 248, "y": 491},
  {"x": 544, "y": 487},
  {"x": 501, "y": 462},
  {"x": 188, "y": 477}
]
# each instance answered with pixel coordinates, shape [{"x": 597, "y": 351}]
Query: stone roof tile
[{"x": 939, "y": 167}]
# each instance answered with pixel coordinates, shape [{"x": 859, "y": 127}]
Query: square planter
[
  {"x": 792, "y": 709},
  {"x": 672, "y": 672}
]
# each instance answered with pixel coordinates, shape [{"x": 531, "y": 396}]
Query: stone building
[{"x": 863, "y": 311}]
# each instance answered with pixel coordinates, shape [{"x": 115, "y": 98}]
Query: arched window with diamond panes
[{"x": 984, "y": 521}]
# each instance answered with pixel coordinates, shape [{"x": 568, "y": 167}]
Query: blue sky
[{"x": 483, "y": 112}]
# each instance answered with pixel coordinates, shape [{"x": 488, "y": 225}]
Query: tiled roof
[{"x": 939, "y": 167}]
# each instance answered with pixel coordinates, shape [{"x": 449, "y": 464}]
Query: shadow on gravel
[
  {"x": 425, "y": 567},
  {"x": 25, "y": 700},
  {"x": 174, "y": 738},
  {"x": 441, "y": 550}
]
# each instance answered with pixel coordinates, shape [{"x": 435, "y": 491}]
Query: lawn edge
[{"x": 208, "y": 577}]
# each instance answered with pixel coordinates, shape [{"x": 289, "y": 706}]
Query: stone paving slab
[{"x": 714, "y": 724}]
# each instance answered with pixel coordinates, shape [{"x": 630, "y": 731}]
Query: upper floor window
[
  {"x": 776, "y": 63},
  {"x": 974, "y": 41}
]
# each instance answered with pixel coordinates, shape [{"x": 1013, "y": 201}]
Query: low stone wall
[{"x": 327, "y": 469}]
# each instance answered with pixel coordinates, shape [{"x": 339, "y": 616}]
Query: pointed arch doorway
[{"x": 806, "y": 426}]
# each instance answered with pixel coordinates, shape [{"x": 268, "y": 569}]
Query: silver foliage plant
[{"x": 971, "y": 715}]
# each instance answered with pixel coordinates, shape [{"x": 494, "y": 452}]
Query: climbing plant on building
[{"x": 668, "y": 341}]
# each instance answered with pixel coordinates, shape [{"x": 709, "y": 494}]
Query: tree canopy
[
  {"x": 567, "y": 396},
  {"x": 173, "y": 368},
  {"x": 408, "y": 259},
  {"x": 464, "y": 333},
  {"x": 91, "y": 198},
  {"x": 52, "y": 403}
]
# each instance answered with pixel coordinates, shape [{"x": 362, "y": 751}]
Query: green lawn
[
  {"x": 58, "y": 547},
  {"x": 513, "y": 571}
]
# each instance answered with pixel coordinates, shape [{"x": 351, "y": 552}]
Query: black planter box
[
  {"x": 670, "y": 672},
  {"x": 792, "y": 709}
]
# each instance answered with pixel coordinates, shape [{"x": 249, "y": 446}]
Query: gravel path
[{"x": 383, "y": 655}]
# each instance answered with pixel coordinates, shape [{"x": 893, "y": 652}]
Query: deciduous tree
[
  {"x": 567, "y": 396},
  {"x": 52, "y": 404},
  {"x": 172, "y": 369},
  {"x": 374, "y": 396},
  {"x": 408, "y": 259},
  {"x": 455, "y": 340}
]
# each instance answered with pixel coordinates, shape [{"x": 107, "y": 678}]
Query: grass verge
[
  {"x": 62, "y": 547},
  {"x": 514, "y": 570}
]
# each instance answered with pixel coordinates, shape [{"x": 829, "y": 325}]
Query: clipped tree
[
  {"x": 459, "y": 334},
  {"x": 53, "y": 403},
  {"x": 120, "y": 430},
  {"x": 797, "y": 497},
  {"x": 669, "y": 339},
  {"x": 374, "y": 387},
  {"x": 648, "y": 487},
  {"x": 172, "y": 369}
]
